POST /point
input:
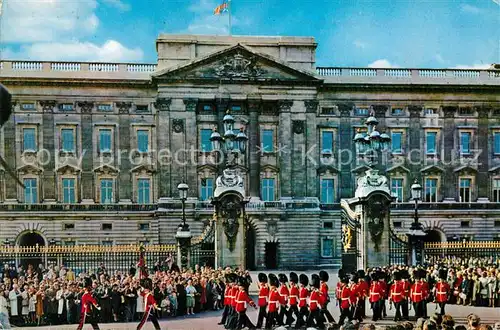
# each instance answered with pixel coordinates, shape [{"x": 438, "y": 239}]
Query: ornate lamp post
[
  {"x": 52, "y": 242},
  {"x": 371, "y": 142},
  {"x": 231, "y": 143},
  {"x": 416, "y": 233},
  {"x": 183, "y": 235}
]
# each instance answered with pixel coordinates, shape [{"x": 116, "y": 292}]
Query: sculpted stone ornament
[
  {"x": 48, "y": 106},
  {"x": 163, "y": 104},
  {"x": 178, "y": 125},
  {"x": 346, "y": 237},
  {"x": 298, "y": 126},
  {"x": 86, "y": 107},
  {"x": 370, "y": 182},
  {"x": 239, "y": 67},
  {"x": 231, "y": 212},
  {"x": 123, "y": 107}
]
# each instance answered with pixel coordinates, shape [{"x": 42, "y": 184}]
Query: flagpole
[{"x": 230, "y": 23}]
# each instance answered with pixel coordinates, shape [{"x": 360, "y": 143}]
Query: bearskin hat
[
  {"x": 242, "y": 282},
  {"x": 443, "y": 274},
  {"x": 354, "y": 278},
  {"x": 294, "y": 278},
  {"x": 416, "y": 274},
  {"x": 404, "y": 274},
  {"x": 344, "y": 280},
  {"x": 273, "y": 280},
  {"x": 341, "y": 273},
  {"x": 282, "y": 278},
  {"x": 423, "y": 274},
  {"x": 396, "y": 275},
  {"x": 303, "y": 279},
  {"x": 262, "y": 278},
  {"x": 147, "y": 283},
  {"x": 315, "y": 281},
  {"x": 374, "y": 276},
  {"x": 87, "y": 282},
  {"x": 361, "y": 273},
  {"x": 323, "y": 276}
]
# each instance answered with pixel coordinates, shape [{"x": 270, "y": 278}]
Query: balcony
[
  {"x": 446, "y": 206},
  {"x": 77, "y": 207}
]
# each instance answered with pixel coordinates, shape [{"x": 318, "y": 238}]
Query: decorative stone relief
[
  {"x": 345, "y": 109},
  {"x": 483, "y": 112},
  {"x": 254, "y": 105},
  {"x": 48, "y": 106},
  {"x": 272, "y": 227},
  {"x": 191, "y": 104},
  {"x": 163, "y": 104},
  {"x": 86, "y": 106},
  {"x": 285, "y": 105},
  {"x": 231, "y": 212},
  {"x": 415, "y": 111},
  {"x": 123, "y": 107},
  {"x": 178, "y": 125},
  {"x": 346, "y": 237},
  {"x": 380, "y": 110},
  {"x": 298, "y": 126},
  {"x": 449, "y": 112},
  {"x": 311, "y": 106},
  {"x": 375, "y": 213},
  {"x": 237, "y": 66}
]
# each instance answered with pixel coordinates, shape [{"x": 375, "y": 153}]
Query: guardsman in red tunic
[
  {"x": 427, "y": 291},
  {"x": 150, "y": 305},
  {"x": 355, "y": 297},
  {"x": 242, "y": 299},
  {"x": 397, "y": 295},
  {"x": 233, "y": 316},
  {"x": 363, "y": 289},
  {"x": 341, "y": 275},
  {"x": 88, "y": 303},
  {"x": 303, "y": 295},
  {"x": 376, "y": 294},
  {"x": 323, "y": 276},
  {"x": 274, "y": 302},
  {"x": 316, "y": 300},
  {"x": 293, "y": 299},
  {"x": 227, "y": 298},
  {"x": 418, "y": 294},
  {"x": 284, "y": 293},
  {"x": 263, "y": 297},
  {"x": 442, "y": 290},
  {"x": 345, "y": 301},
  {"x": 405, "y": 275},
  {"x": 385, "y": 296}
]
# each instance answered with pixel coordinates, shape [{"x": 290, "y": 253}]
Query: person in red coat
[
  {"x": 293, "y": 300},
  {"x": 323, "y": 276},
  {"x": 150, "y": 306},
  {"x": 284, "y": 293},
  {"x": 397, "y": 295},
  {"x": 345, "y": 301},
  {"x": 263, "y": 298},
  {"x": 227, "y": 298},
  {"x": 418, "y": 294},
  {"x": 274, "y": 302},
  {"x": 442, "y": 290},
  {"x": 316, "y": 300},
  {"x": 376, "y": 297},
  {"x": 407, "y": 287},
  {"x": 242, "y": 299},
  {"x": 303, "y": 295},
  {"x": 356, "y": 292},
  {"x": 363, "y": 289},
  {"x": 88, "y": 303},
  {"x": 341, "y": 275}
]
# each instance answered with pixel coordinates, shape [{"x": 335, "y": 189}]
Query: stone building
[{"x": 101, "y": 147}]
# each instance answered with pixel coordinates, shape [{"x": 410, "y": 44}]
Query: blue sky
[{"x": 383, "y": 33}]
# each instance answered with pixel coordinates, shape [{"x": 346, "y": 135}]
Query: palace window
[
  {"x": 267, "y": 138},
  {"x": 66, "y": 107},
  {"x": 496, "y": 143},
  {"x": 465, "y": 143},
  {"x": 69, "y": 190},
  {"x": 496, "y": 189},
  {"x": 397, "y": 189},
  {"x": 327, "y": 191},
  {"x": 429, "y": 111},
  {"x": 466, "y": 111},
  {"x": 143, "y": 140},
  {"x": 69, "y": 226},
  {"x": 28, "y": 106},
  {"x": 107, "y": 226},
  {"x": 397, "y": 111},
  {"x": 205, "y": 143},
  {"x": 236, "y": 108},
  {"x": 327, "y": 225},
  {"x": 327, "y": 247},
  {"x": 431, "y": 186},
  {"x": 30, "y": 191},
  {"x": 104, "y": 107},
  {"x": 143, "y": 191},
  {"x": 206, "y": 188},
  {"x": 144, "y": 226},
  {"x": 29, "y": 139},
  {"x": 142, "y": 108},
  {"x": 430, "y": 143},
  {"x": 327, "y": 142},
  {"x": 397, "y": 142},
  {"x": 68, "y": 139},
  {"x": 105, "y": 140},
  {"x": 207, "y": 107},
  {"x": 106, "y": 191},
  {"x": 268, "y": 189},
  {"x": 465, "y": 190},
  {"x": 361, "y": 111}
]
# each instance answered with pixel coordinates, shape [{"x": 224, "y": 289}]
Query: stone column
[
  {"x": 49, "y": 175},
  {"x": 183, "y": 237},
  {"x": 124, "y": 131},
  {"x": 449, "y": 190},
  {"x": 9, "y": 134},
  {"x": 284, "y": 139},
  {"x": 165, "y": 150},
  {"x": 87, "y": 130},
  {"x": 311, "y": 141},
  {"x": 345, "y": 142},
  {"x": 415, "y": 139},
  {"x": 253, "y": 147},
  {"x": 483, "y": 166}
]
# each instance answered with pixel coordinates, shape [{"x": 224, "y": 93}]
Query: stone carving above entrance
[
  {"x": 237, "y": 66},
  {"x": 231, "y": 212}
]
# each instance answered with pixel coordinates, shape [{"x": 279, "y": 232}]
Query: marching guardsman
[
  {"x": 363, "y": 288},
  {"x": 442, "y": 290},
  {"x": 232, "y": 320},
  {"x": 355, "y": 297},
  {"x": 88, "y": 303},
  {"x": 227, "y": 299},
  {"x": 385, "y": 289},
  {"x": 293, "y": 300},
  {"x": 427, "y": 291},
  {"x": 263, "y": 298},
  {"x": 274, "y": 302},
  {"x": 376, "y": 293},
  {"x": 397, "y": 295},
  {"x": 341, "y": 275},
  {"x": 345, "y": 301},
  {"x": 323, "y": 276},
  {"x": 316, "y": 300},
  {"x": 418, "y": 295},
  {"x": 303, "y": 295},
  {"x": 150, "y": 306},
  {"x": 284, "y": 293},
  {"x": 405, "y": 275},
  {"x": 242, "y": 299}
]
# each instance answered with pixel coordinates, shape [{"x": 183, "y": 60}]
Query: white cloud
[
  {"x": 120, "y": 5},
  {"x": 466, "y": 8},
  {"x": 382, "y": 64},
  {"x": 439, "y": 58},
  {"x": 47, "y": 20},
  {"x": 110, "y": 51},
  {"x": 475, "y": 66},
  {"x": 360, "y": 44}
]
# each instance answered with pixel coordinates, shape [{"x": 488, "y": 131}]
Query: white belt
[
  {"x": 263, "y": 297},
  {"x": 441, "y": 292},
  {"x": 303, "y": 298},
  {"x": 374, "y": 294},
  {"x": 346, "y": 298},
  {"x": 242, "y": 302},
  {"x": 396, "y": 294},
  {"x": 294, "y": 297},
  {"x": 314, "y": 301}
]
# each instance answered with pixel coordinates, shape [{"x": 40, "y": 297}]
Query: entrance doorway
[
  {"x": 250, "y": 248},
  {"x": 433, "y": 236},
  {"x": 271, "y": 256},
  {"x": 31, "y": 239}
]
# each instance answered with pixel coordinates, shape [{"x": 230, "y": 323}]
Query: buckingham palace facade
[{"x": 101, "y": 147}]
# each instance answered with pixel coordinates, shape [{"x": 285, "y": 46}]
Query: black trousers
[
  {"x": 293, "y": 309},
  {"x": 271, "y": 319},
  {"x": 362, "y": 307},
  {"x": 232, "y": 319},
  {"x": 303, "y": 314},
  {"x": 377, "y": 310},
  {"x": 244, "y": 321},
  {"x": 345, "y": 314},
  {"x": 152, "y": 316},
  {"x": 405, "y": 309},
  {"x": 383, "y": 308},
  {"x": 442, "y": 307},
  {"x": 281, "y": 315},
  {"x": 262, "y": 316},
  {"x": 397, "y": 307},
  {"x": 87, "y": 319},
  {"x": 419, "y": 309},
  {"x": 315, "y": 319},
  {"x": 357, "y": 311},
  {"x": 326, "y": 313},
  {"x": 225, "y": 313}
]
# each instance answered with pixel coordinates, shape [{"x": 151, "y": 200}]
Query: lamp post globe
[
  {"x": 242, "y": 140},
  {"x": 183, "y": 190},
  {"x": 416, "y": 191}
]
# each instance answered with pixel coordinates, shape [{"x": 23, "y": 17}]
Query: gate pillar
[{"x": 183, "y": 238}]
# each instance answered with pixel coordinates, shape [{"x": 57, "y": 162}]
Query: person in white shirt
[
  {"x": 13, "y": 296},
  {"x": 4, "y": 311}
]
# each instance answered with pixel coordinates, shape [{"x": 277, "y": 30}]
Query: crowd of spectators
[{"x": 51, "y": 296}]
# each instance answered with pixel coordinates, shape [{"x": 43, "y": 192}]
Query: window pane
[
  {"x": 396, "y": 140},
  {"x": 30, "y": 191},
  {"x": 105, "y": 140},
  {"x": 327, "y": 142},
  {"x": 205, "y": 143},
  {"x": 68, "y": 140},
  {"x": 267, "y": 190},
  {"x": 465, "y": 142},
  {"x": 106, "y": 191},
  {"x": 143, "y": 140},
  {"x": 397, "y": 189},
  {"x": 431, "y": 142},
  {"x": 267, "y": 140},
  {"x": 496, "y": 142},
  {"x": 143, "y": 191},
  {"x": 327, "y": 247},
  {"x": 29, "y": 139},
  {"x": 431, "y": 190},
  {"x": 69, "y": 195},
  {"x": 327, "y": 191},
  {"x": 206, "y": 188}
]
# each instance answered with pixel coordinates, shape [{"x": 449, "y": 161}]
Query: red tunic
[
  {"x": 337, "y": 290},
  {"x": 234, "y": 295},
  {"x": 407, "y": 288},
  {"x": 149, "y": 300},
  {"x": 397, "y": 294},
  {"x": 417, "y": 292},
  {"x": 426, "y": 289},
  {"x": 363, "y": 289},
  {"x": 354, "y": 288},
  {"x": 345, "y": 297},
  {"x": 317, "y": 300},
  {"x": 376, "y": 292},
  {"x": 241, "y": 302},
  {"x": 324, "y": 291},
  {"x": 227, "y": 296},
  {"x": 442, "y": 292},
  {"x": 284, "y": 293},
  {"x": 87, "y": 302},
  {"x": 294, "y": 295},
  {"x": 274, "y": 301},
  {"x": 263, "y": 295},
  {"x": 303, "y": 294},
  {"x": 385, "y": 294}
]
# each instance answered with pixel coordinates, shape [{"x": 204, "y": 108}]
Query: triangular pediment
[
  {"x": 68, "y": 169},
  {"x": 106, "y": 169},
  {"x": 236, "y": 63},
  {"x": 432, "y": 169},
  {"x": 324, "y": 169},
  {"x": 29, "y": 168},
  {"x": 360, "y": 169},
  {"x": 398, "y": 168},
  {"x": 465, "y": 169},
  {"x": 144, "y": 168}
]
